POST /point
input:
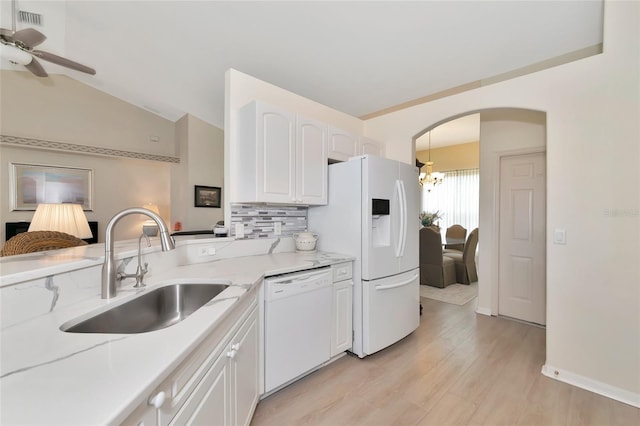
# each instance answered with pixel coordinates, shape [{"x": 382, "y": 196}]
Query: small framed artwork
[
  {"x": 207, "y": 196},
  {"x": 32, "y": 184}
]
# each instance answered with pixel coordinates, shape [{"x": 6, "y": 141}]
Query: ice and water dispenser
[{"x": 380, "y": 222}]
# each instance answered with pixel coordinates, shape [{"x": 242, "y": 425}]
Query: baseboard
[
  {"x": 483, "y": 311},
  {"x": 591, "y": 385}
]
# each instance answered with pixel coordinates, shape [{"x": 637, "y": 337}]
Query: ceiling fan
[{"x": 18, "y": 48}]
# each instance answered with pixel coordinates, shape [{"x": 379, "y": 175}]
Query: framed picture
[
  {"x": 207, "y": 196},
  {"x": 32, "y": 184}
]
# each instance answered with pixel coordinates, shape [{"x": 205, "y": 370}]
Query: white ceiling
[{"x": 357, "y": 57}]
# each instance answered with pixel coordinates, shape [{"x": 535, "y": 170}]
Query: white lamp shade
[{"x": 67, "y": 218}]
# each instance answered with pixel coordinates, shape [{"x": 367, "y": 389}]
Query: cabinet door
[
  {"x": 311, "y": 164},
  {"x": 244, "y": 371},
  {"x": 341, "y": 334},
  {"x": 342, "y": 145},
  {"x": 210, "y": 401},
  {"x": 275, "y": 151},
  {"x": 370, "y": 146}
]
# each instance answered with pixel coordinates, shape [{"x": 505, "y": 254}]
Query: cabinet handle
[
  {"x": 231, "y": 354},
  {"x": 157, "y": 400},
  {"x": 235, "y": 347}
]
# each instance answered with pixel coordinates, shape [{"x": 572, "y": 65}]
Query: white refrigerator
[{"x": 372, "y": 214}]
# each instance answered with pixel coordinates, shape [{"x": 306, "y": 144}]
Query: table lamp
[
  {"x": 149, "y": 228},
  {"x": 67, "y": 218}
]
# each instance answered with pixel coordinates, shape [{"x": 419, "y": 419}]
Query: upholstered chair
[
  {"x": 465, "y": 262},
  {"x": 29, "y": 242},
  {"x": 455, "y": 236},
  {"x": 435, "y": 269}
]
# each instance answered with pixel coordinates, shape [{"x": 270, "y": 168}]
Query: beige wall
[
  {"x": 454, "y": 157},
  {"x": 592, "y": 110},
  {"x": 201, "y": 148},
  {"x": 61, "y": 109}
]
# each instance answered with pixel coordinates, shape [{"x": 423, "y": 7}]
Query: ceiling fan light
[{"x": 15, "y": 55}]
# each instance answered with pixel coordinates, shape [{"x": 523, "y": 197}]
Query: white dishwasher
[{"x": 297, "y": 317}]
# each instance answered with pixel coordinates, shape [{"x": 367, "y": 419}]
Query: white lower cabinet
[
  {"x": 229, "y": 390},
  {"x": 216, "y": 385},
  {"x": 341, "y": 335},
  {"x": 341, "y": 315}
]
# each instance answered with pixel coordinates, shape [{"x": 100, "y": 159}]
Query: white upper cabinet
[
  {"x": 311, "y": 161},
  {"x": 342, "y": 144},
  {"x": 280, "y": 158},
  {"x": 370, "y": 146}
]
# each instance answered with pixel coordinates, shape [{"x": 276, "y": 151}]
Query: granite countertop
[{"x": 50, "y": 377}]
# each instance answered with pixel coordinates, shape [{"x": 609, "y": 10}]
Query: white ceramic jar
[{"x": 305, "y": 241}]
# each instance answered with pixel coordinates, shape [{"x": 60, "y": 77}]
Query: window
[{"x": 457, "y": 198}]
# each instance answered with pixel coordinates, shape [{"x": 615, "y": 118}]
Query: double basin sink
[{"x": 154, "y": 309}]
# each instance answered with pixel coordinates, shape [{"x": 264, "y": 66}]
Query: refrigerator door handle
[
  {"x": 396, "y": 285},
  {"x": 402, "y": 213},
  {"x": 404, "y": 219}
]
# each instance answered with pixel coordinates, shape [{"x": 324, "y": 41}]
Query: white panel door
[
  {"x": 276, "y": 155},
  {"x": 522, "y": 257},
  {"x": 311, "y": 164}
]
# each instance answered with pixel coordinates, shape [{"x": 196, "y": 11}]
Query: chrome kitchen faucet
[{"x": 109, "y": 274}]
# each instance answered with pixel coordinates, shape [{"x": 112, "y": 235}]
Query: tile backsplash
[{"x": 259, "y": 221}]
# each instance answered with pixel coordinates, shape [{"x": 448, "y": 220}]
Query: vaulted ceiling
[{"x": 358, "y": 57}]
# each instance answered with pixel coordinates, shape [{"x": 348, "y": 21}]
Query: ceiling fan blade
[
  {"x": 36, "y": 68},
  {"x": 63, "y": 61},
  {"x": 29, "y": 37}
]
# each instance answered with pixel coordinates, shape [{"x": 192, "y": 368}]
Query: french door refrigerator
[{"x": 372, "y": 214}]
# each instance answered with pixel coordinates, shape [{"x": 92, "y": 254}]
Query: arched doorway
[{"x": 504, "y": 133}]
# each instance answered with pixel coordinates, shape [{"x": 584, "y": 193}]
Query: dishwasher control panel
[{"x": 300, "y": 282}]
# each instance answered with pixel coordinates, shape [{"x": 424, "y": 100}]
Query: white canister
[{"x": 305, "y": 241}]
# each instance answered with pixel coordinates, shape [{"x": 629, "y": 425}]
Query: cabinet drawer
[{"x": 342, "y": 271}]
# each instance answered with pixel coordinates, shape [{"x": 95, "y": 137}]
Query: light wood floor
[{"x": 458, "y": 368}]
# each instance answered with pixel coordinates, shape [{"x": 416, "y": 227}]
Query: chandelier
[{"x": 430, "y": 179}]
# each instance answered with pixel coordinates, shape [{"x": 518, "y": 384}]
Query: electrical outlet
[
  {"x": 207, "y": 251},
  {"x": 559, "y": 236},
  {"x": 239, "y": 230},
  {"x": 277, "y": 228}
]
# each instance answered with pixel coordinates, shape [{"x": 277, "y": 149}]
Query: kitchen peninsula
[{"x": 49, "y": 376}]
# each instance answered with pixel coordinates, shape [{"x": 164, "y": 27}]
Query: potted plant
[{"x": 429, "y": 218}]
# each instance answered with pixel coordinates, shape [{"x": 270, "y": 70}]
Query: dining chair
[
  {"x": 465, "y": 261},
  {"x": 455, "y": 237},
  {"x": 436, "y": 270},
  {"x": 30, "y": 242}
]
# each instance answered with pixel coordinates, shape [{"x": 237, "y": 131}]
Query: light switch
[{"x": 559, "y": 236}]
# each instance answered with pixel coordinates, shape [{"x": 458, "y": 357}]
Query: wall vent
[{"x": 29, "y": 17}]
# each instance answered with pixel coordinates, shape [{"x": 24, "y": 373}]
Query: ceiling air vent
[{"x": 29, "y": 17}]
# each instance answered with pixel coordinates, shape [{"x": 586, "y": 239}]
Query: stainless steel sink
[{"x": 157, "y": 309}]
